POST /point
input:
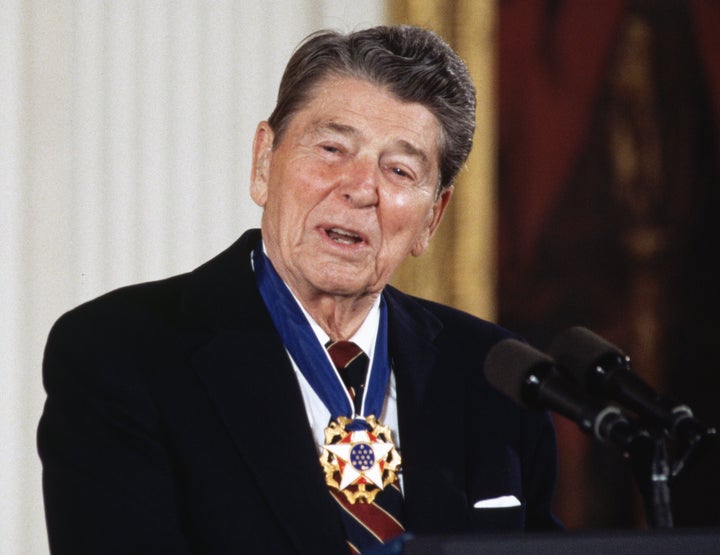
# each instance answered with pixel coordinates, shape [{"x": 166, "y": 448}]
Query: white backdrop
[{"x": 125, "y": 136}]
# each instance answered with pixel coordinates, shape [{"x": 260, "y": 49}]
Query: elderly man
[{"x": 282, "y": 398}]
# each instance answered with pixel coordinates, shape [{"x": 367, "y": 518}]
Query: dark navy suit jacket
[{"x": 174, "y": 424}]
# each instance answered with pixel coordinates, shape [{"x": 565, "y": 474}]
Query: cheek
[
  {"x": 290, "y": 204},
  {"x": 407, "y": 214}
]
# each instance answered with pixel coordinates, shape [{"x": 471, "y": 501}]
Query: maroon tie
[
  {"x": 367, "y": 524},
  {"x": 352, "y": 364}
]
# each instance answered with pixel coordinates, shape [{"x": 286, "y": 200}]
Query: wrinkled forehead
[{"x": 318, "y": 95}]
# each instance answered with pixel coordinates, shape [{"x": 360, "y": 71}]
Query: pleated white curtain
[{"x": 125, "y": 137}]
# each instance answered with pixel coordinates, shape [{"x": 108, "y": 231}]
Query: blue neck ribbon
[{"x": 311, "y": 357}]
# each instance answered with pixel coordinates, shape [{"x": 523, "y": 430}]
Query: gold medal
[{"x": 359, "y": 463}]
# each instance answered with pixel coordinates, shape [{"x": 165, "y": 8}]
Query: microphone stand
[
  {"x": 659, "y": 511},
  {"x": 692, "y": 445},
  {"x": 651, "y": 470}
]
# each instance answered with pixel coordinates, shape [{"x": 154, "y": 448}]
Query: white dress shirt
[{"x": 318, "y": 415}]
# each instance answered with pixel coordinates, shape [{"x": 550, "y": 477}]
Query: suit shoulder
[
  {"x": 455, "y": 321},
  {"x": 167, "y": 304},
  {"x": 117, "y": 323},
  {"x": 136, "y": 301}
]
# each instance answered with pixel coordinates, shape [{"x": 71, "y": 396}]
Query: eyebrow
[
  {"x": 350, "y": 131},
  {"x": 335, "y": 127},
  {"x": 412, "y": 150}
]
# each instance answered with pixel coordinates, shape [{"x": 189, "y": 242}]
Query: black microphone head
[
  {"x": 508, "y": 365},
  {"x": 578, "y": 350},
  {"x": 602, "y": 370},
  {"x": 529, "y": 377}
]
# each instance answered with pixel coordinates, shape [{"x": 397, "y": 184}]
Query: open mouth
[{"x": 343, "y": 236}]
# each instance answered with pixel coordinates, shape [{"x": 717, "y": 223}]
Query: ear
[
  {"x": 436, "y": 214},
  {"x": 262, "y": 157}
]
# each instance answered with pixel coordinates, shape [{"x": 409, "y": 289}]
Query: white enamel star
[{"x": 343, "y": 451}]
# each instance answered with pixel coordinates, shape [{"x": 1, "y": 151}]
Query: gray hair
[{"x": 413, "y": 63}]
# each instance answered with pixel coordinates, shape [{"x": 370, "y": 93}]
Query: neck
[{"x": 338, "y": 316}]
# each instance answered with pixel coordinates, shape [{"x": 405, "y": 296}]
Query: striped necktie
[{"x": 367, "y": 524}]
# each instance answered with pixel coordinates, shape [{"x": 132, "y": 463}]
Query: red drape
[{"x": 552, "y": 60}]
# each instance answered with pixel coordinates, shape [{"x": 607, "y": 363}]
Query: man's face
[{"x": 349, "y": 192}]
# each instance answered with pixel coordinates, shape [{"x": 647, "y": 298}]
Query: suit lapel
[
  {"x": 435, "y": 498},
  {"x": 412, "y": 333},
  {"x": 248, "y": 375}
]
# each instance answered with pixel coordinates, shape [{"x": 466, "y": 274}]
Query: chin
[
  {"x": 341, "y": 289},
  {"x": 346, "y": 281},
  {"x": 340, "y": 286}
]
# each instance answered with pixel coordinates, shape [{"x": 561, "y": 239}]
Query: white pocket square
[{"x": 497, "y": 502}]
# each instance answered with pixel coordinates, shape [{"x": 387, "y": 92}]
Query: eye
[
  {"x": 401, "y": 173},
  {"x": 401, "y": 168},
  {"x": 331, "y": 148}
]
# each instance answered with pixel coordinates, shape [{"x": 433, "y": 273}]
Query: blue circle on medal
[{"x": 362, "y": 457}]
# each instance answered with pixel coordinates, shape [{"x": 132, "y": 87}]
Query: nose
[{"x": 359, "y": 185}]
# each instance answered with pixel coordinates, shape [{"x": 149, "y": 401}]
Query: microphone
[
  {"x": 603, "y": 370},
  {"x": 531, "y": 379}
]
